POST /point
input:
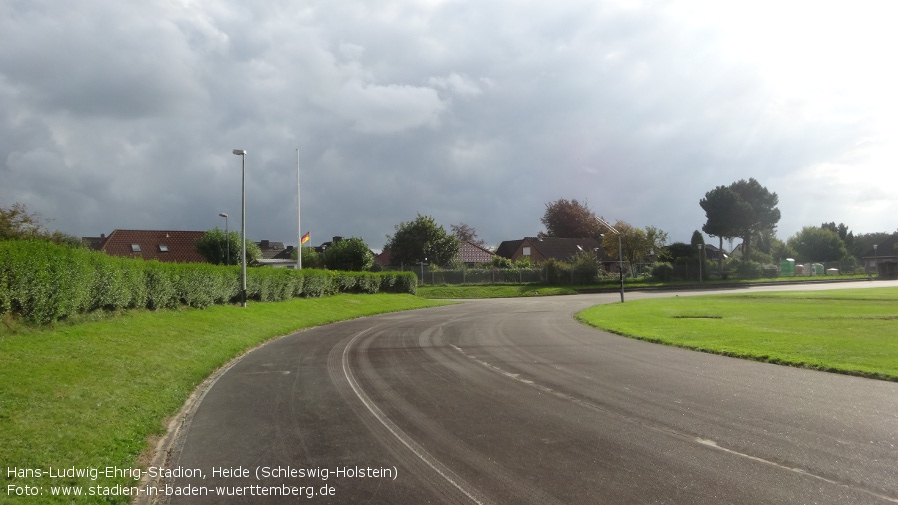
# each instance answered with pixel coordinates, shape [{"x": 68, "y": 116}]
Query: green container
[{"x": 787, "y": 267}]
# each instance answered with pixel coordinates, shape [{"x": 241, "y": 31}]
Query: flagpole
[{"x": 298, "y": 222}]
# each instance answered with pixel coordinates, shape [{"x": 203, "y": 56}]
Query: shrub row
[{"x": 44, "y": 282}]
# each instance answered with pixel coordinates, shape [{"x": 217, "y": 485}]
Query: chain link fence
[
  {"x": 428, "y": 275},
  {"x": 438, "y": 276}
]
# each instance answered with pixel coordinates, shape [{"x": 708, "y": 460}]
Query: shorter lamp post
[
  {"x": 699, "y": 247},
  {"x": 227, "y": 239},
  {"x": 620, "y": 255},
  {"x": 876, "y": 259}
]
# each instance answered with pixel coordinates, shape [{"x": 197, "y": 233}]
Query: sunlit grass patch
[{"x": 851, "y": 331}]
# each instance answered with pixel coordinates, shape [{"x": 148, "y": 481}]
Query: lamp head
[
  {"x": 240, "y": 152},
  {"x": 222, "y": 214}
]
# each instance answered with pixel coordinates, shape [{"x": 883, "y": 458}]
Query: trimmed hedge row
[{"x": 44, "y": 282}]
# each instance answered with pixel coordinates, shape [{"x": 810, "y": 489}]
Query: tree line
[{"x": 743, "y": 210}]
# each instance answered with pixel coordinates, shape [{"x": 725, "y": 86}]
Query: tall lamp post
[
  {"x": 227, "y": 238},
  {"x": 298, "y": 222},
  {"x": 242, "y": 153},
  {"x": 620, "y": 255}
]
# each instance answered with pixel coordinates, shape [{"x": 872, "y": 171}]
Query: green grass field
[
  {"x": 850, "y": 331},
  {"x": 92, "y": 394}
]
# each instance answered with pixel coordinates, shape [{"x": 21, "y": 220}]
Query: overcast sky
[{"x": 124, "y": 114}]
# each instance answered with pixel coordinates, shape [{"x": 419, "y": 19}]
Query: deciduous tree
[
  {"x": 466, "y": 233},
  {"x": 818, "y": 244},
  {"x": 221, "y": 249},
  {"x": 351, "y": 254},
  {"x": 570, "y": 219},
  {"x": 422, "y": 240},
  {"x": 634, "y": 243},
  {"x": 16, "y": 222}
]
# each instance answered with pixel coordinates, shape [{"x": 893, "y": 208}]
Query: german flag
[{"x": 305, "y": 238}]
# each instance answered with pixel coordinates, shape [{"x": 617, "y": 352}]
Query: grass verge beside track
[
  {"x": 851, "y": 331},
  {"x": 92, "y": 394}
]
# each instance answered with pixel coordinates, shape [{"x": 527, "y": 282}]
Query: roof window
[
  {"x": 163, "y": 247},
  {"x": 135, "y": 247}
]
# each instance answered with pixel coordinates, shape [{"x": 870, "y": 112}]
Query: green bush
[
  {"x": 368, "y": 283},
  {"x": 117, "y": 283},
  {"x": 44, "y": 282},
  {"x": 406, "y": 282},
  {"x": 584, "y": 269},
  {"x": 747, "y": 269},
  {"x": 162, "y": 292},
  {"x": 557, "y": 272},
  {"x": 662, "y": 271},
  {"x": 318, "y": 283},
  {"x": 40, "y": 284}
]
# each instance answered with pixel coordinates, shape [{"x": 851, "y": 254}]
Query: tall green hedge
[{"x": 44, "y": 282}]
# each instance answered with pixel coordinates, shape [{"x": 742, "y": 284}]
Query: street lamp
[
  {"x": 876, "y": 259},
  {"x": 242, "y": 153},
  {"x": 699, "y": 247},
  {"x": 620, "y": 255},
  {"x": 227, "y": 238}
]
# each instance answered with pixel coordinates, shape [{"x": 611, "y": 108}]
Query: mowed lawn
[{"x": 846, "y": 331}]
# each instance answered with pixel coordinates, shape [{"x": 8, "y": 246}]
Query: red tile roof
[
  {"x": 162, "y": 245},
  {"x": 472, "y": 253}
]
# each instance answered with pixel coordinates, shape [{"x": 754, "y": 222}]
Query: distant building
[
  {"x": 383, "y": 259},
  {"x": 884, "y": 258},
  {"x": 468, "y": 253},
  {"x": 507, "y": 248},
  {"x": 714, "y": 254},
  {"x": 324, "y": 245},
  {"x": 542, "y": 249},
  {"x": 473, "y": 254},
  {"x": 171, "y": 246},
  {"x": 276, "y": 254}
]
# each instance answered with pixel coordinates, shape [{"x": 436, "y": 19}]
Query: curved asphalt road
[{"x": 512, "y": 401}]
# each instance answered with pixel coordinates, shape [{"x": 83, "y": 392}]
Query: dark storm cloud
[{"x": 120, "y": 115}]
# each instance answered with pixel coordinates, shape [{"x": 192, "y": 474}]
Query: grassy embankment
[
  {"x": 851, "y": 331},
  {"x": 91, "y": 394}
]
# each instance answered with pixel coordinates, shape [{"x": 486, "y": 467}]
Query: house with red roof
[
  {"x": 540, "y": 249},
  {"x": 473, "y": 254},
  {"x": 468, "y": 253},
  {"x": 172, "y": 246}
]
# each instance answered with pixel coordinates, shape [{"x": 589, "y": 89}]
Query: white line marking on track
[
  {"x": 707, "y": 443},
  {"x": 400, "y": 435}
]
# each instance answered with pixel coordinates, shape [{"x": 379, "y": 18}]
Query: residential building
[
  {"x": 541, "y": 249},
  {"x": 507, "y": 248},
  {"x": 712, "y": 253},
  {"x": 172, "y": 246},
  {"x": 469, "y": 254},
  {"x": 473, "y": 254},
  {"x": 276, "y": 254},
  {"x": 883, "y": 259}
]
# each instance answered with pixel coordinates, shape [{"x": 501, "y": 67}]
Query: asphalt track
[{"x": 512, "y": 401}]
